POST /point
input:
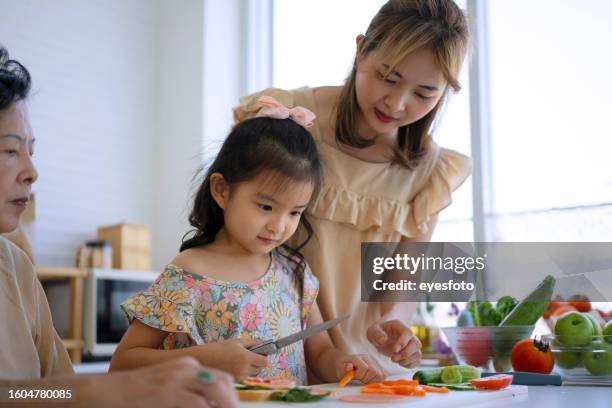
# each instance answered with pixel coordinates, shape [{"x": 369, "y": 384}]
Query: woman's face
[
  {"x": 406, "y": 95},
  {"x": 17, "y": 172}
]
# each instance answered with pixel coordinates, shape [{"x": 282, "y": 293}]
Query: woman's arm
[
  {"x": 140, "y": 347},
  {"x": 391, "y": 334}
]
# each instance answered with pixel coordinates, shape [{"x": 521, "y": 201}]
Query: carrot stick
[
  {"x": 347, "y": 378},
  {"x": 400, "y": 382},
  {"x": 404, "y": 389},
  {"x": 439, "y": 390},
  {"x": 366, "y": 390}
]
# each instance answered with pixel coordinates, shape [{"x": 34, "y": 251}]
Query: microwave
[{"x": 104, "y": 323}]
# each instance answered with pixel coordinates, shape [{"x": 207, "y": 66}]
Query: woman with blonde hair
[{"x": 386, "y": 180}]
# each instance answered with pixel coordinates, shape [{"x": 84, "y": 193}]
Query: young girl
[
  {"x": 385, "y": 178},
  {"x": 235, "y": 282}
]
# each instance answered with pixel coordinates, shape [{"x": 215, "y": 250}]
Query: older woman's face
[{"x": 17, "y": 172}]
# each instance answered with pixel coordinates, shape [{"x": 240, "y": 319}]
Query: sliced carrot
[
  {"x": 419, "y": 392},
  {"x": 366, "y": 390},
  {"x": 400, "y": 382},
  {"x": 347, "y": 378},
  {"x": 439, "y": 390},
  {"x": 404, "y": 389}
]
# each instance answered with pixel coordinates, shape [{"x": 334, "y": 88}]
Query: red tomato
[
  {"x": 552, "y": 306},
  {"x": 532, "y": 356},
  {"x": 581, "y": 303},
  {"x": 494, "y": 382},
  {"x": 563, "y": 309}
]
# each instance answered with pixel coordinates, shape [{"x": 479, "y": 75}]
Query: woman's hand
[
  {"x": 394, "y": 339},
  {"x": 366, "y": 369},
  {"x": 182, "y": 382},
  {"x": 234, "y": 357}
]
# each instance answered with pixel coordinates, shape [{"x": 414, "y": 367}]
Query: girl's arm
[
  {"x": 140, "y": 347},
  {"x": 330, "y": 364}
]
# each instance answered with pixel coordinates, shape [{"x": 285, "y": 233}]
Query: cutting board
[{"x": 432, "y": 400}]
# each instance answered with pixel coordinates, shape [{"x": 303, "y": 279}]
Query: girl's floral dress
[{"x": 196, "y": 309}]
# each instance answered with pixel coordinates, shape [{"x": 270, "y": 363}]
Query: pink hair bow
[{"x": 275, "y": 109}]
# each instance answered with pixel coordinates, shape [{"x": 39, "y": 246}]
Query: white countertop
[{"x": 570, "y": 396}]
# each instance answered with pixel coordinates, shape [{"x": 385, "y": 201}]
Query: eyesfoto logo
[{"x": 412, "y": 264}]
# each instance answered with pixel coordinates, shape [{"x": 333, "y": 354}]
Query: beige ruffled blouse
[
  {"x": 29, "y": 345},
  {"x": 363, "y": 202}
]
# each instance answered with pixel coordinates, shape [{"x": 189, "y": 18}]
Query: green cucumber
[
  {"x": 451, "y": 375},
  {"x": 455, "y": 387},
  {"x": 454, "y": 373},
  {"x": 432, "y": 375},
  {"x": 530, "y": 309}
]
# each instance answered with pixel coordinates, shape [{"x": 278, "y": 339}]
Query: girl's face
[
  {"x": 406, "y": 95},
  {"x": 17, "y": 172},
  {"x": 258, "y": 215}
]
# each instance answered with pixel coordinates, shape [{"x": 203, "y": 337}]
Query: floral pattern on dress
[{"x": 196, "y": 309}]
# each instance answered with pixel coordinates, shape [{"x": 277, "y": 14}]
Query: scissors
[{"x": 272, "y": 346}]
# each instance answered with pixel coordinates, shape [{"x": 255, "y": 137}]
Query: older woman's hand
[
  {"x": 394, "y": 339},
  {"x": 179, "y": 383}
]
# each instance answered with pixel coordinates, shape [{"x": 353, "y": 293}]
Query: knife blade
[{"x": 272, "y": 346}]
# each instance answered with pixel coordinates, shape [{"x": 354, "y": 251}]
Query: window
[{"x": 550, "y": 101}]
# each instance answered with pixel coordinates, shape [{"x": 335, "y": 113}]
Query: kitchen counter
[{"x": 570, "y": 396}]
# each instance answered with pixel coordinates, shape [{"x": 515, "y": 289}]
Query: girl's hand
[
  {"x": 233, "y": 357},
  {"x": 366, "y": 369},
  {"x": 394, "y": 339}
]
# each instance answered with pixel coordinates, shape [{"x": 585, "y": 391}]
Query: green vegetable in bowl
[
  {"x": 483, "y": 313},
  {"x": 530, "y": 309},
  {"x": 504, "y": 306}
]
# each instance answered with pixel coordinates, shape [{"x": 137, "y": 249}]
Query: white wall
[
  {"x": 125, "y": 92},
  {"x": 200, "y": 78},
  {"x": 92, "y": 107}
]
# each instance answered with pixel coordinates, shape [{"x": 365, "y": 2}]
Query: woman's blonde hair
[{"x": 400, "y": 28}]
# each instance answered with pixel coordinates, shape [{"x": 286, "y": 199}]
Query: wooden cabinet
[{"x": 74, "y": 343}]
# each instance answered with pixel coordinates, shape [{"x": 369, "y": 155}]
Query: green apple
[
  {"x": 607, "y": 332},
  {"x": 595, "y": 323},
  {"x": 574, "y": 329},
  {"x": 567, "y": 359},
  {"x": 598, "y": 358}
]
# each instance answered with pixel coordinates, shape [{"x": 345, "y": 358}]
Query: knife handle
[
  {"x": 523, "y": 378},
  {"x": 266, "y": 348}
]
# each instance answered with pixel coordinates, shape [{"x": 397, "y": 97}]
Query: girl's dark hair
[
  {"x": 279, "y": 146},
  {"x": 15, "y": 80}
]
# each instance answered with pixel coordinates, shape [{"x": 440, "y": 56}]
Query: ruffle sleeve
[
  {"x": 451, "y": 170},
  {"x": 249, "y": 107},
  {"x": 408, "y": 217},
  {"x": 166, "y": 305}
]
